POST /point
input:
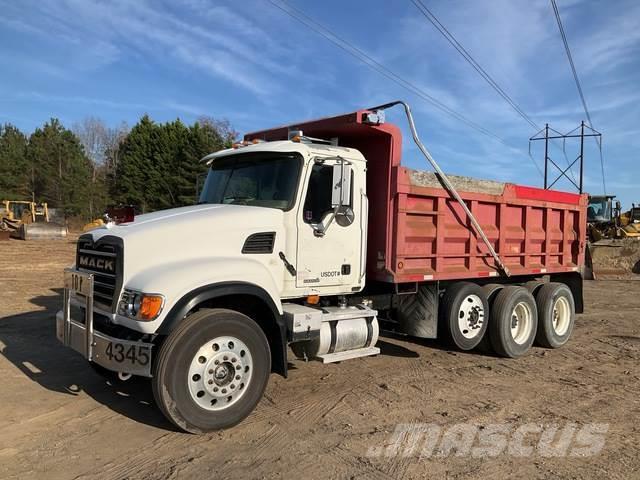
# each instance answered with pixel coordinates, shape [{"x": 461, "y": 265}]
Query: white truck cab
[{"x": 278, "y": 226}]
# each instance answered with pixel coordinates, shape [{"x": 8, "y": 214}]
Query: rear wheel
[
  {"x": 465, "y": 311},
  {"x": 557, "y": 312},
  {"x": 533, "y": 286},
  {"x": 514, "y": 320},
  {"x": 212, "y": 370},
  {"x": 490, "y": 290}
]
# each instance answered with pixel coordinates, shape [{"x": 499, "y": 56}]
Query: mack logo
[{"x": 102, "y": 264}]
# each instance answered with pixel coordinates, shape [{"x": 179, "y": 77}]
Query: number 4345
[{"x": 120, "y": 353}]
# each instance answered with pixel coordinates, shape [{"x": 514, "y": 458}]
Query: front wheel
[{"x": 211, "y": 371}]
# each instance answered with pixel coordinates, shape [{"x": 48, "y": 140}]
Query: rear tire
[
  {"x": 557, "y": 315},
  {"x": 490, "y": 290},
  {"x": 211, "y": 371},
  {"x": 533, "y": 286},
  {"x": 465, "y": 311},
  {"x": 514, "y": 320}
]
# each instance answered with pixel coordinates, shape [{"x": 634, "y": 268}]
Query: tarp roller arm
[{"x": 446, "y": 183}]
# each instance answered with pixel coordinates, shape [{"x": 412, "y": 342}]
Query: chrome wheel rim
[
  {"x": 471, "y": 316},
  {"x": 521, "y": 323},
  {"x": 220, "y": 373},
  {"x": 561, "y": 316}
]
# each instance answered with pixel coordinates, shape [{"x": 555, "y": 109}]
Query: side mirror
[{"x": 341, "y": 193}]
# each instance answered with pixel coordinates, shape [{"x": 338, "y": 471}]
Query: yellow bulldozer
[
  {"x": 28, "y": 220},
  {"x": 630, "y": 222}
]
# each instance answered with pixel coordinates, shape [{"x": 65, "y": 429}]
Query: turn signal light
[
  {"x": 150, "y": 307},
  {"x": 313, "y": 299}
]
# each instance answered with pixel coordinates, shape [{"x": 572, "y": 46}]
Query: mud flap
[{"x": 418, "y": 312}]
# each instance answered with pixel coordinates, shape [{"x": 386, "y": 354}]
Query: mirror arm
[{"x": 319, "y": 229}]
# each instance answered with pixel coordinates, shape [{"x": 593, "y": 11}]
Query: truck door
[{"x": 330, "y": 231}]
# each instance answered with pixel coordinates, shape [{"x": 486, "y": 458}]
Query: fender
[
  {"x": 218, "y": 290},
  {"x": 574, "y": 281},
  {"x": 177, "y": 279}
]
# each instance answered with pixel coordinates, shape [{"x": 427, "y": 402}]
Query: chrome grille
[{"x": 103, "y": 252}]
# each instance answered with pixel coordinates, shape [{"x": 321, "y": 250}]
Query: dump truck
[{"x": 311, "y": 236}]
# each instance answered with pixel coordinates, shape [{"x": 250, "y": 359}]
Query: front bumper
[{"x": 112, "y": 353}]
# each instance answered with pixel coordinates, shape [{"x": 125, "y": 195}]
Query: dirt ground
[
  {"x": 615, "y": 258},
  {"x": 60, "y": 420}
]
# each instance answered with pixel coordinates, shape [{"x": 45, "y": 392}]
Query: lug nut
[
  {"x": 237, "y": 377},
  {"x": 224, "y": 390}
]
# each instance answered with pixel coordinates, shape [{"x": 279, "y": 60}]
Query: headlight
[{"x": 140, "y": 306}]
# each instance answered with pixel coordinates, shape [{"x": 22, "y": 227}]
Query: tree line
[{"x": 83, "y": 170}]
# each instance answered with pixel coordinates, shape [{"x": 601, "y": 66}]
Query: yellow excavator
[
  {"x": 614, "y": 238},
  {"x": 601, "y": 216},
  {"x": 607, "y": 221},
  {"x": 28, "y": 220}
]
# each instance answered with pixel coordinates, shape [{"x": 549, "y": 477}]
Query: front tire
[{"x": 211, "y": 371}]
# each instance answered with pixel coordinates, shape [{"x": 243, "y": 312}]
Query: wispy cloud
[
  {"x": 255, "y": 65},
  {"x": 72, "y": 99},
  {"x": 229, "y": 47}
]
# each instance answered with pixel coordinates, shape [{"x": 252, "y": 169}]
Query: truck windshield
[
  {"x": 599, "y": 210},
  {"x": 263, "y": 179}
]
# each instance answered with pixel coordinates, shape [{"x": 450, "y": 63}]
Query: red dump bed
[{"x": 417, "y": 231}]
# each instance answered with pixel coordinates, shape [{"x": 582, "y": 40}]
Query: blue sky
[{"x": 252, "y": 64}]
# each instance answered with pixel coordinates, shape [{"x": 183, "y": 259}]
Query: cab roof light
[
  {"x": 296, "y": 135},
  {"x": 246, "y": 143}
]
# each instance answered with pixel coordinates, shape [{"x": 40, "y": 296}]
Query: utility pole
[
  {"x": 546, "y": 152},
  {"x": 581, "y": 153},
  {"x": 547, "y": 159}
]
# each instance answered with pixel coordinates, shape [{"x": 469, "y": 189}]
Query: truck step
[{"x": 349, "y": 354}]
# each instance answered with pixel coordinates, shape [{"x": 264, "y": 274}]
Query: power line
[
  {"x": 579, "y": 87},
  {"x": 433, "y": 19},
  {"x": 573, "y": 67},
  {"x": 374, "y": 64},
  {"x": 346, "y": 46},
  {"x": 428, "y": 14}
]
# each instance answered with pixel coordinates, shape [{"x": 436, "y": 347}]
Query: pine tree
[
  {"x": 14, "y": 168},
  {"x": 60, "y": 170},
  {"x": 158, "y": 164}
]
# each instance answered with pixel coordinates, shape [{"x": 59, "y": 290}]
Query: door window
[{"x": 318, "y": 201}]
